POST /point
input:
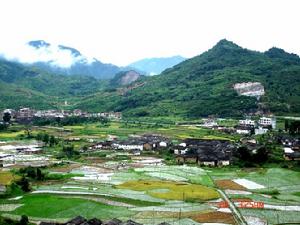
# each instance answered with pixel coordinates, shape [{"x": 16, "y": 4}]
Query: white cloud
[
  {"x": 52, "y": 54},
  {"x": 123, "y": 31}
]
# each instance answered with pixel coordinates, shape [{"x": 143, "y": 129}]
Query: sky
[{"x": 123, "y": 31}]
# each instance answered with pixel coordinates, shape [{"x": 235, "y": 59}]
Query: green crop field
[{"x": 59, "y": 207}]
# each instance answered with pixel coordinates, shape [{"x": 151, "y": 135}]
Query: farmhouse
[
  {"x": 260, "y": 130},
  {"x": 147, "y": 142},
  {"x": 244, "y": 130},
  {"x": 187, "y": 159},
  {"x": 129, "y": 145},
  {"x": 104, "y": 145},
  {"x": 292, "y": 156},
  {"x": 246, "y": 122},
  {"x": 180, "y": 150}
]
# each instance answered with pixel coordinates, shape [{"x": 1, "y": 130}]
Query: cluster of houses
[
  {"x": 204, "y": 152},
  {"x": 262, "y": 126},
  {"x": 79, "y": 220},
  {"x": 135, "y": 144},
  {"x": 244, "y": 127},
  {"x": 29, "y": 114},
  {"x": 291, "y": 147},
  {"x": 197, "y": 151},
  {"x": 11, "y": 155}
]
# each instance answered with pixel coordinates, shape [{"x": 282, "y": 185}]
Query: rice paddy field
[
  {"x": 100, "y": 186},
  {"x": 135, "y": 193},
  {"x": 153, "y": 194},
  {"x": 279, "y": 192}
]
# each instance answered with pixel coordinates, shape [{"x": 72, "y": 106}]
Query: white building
[
  {"x": 163, "y": 144},
  {"x": 260, "y": 130},
  {"x": 129, "y": 146},
  {"x": 243, "y": 131},
  {"x": 180, "y": 151},
  {"x": 267, "y": 121},
  {"x": 182, "y": 144},
  {"x": 288, "y": 150},
  {"x": 247, "y": 122}
]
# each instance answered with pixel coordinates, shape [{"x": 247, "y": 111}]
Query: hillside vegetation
[
  {"x": 200, "y": 86},
  {"x": 203, "y": 86}
]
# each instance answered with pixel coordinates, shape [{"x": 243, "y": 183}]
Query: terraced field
[{"x": 153, "y": 194}]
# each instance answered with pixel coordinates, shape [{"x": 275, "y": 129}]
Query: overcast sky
[{"x": 122, "y": 31}]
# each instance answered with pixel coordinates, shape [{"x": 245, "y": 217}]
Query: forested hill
[
  {"x": 200, "y": 86},
  {"x": 203, "y": 86},
  {"x": 22, "y": 86}
]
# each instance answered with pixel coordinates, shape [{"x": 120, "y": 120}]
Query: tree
[
  {"x": 39, "y": 174},
  {"x": 24, "y": 184},
  {"x": 28, "y": 131},
  {"x": 24, "y": 220},
  {"x": 46, "y": 138},
  {"x": 6, "y": 117},
  {"x": 69, "y": 151},
  {"x": 244, "y": 154},
  {"x": 52, "y": 140},
  {"x": 261, "y": 155}
]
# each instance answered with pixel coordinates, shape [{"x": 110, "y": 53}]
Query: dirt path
[{"x": 239, "y": 218}]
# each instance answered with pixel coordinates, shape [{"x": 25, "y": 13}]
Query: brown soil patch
[
  {"x": 95, "y": 160},
  {"x": 214, "y": 217},
  {"x": 229, "y": 184},
  {"x": 65, "y": 169},
  {"x": 241, "y": 199},
  {"x": 162, "y": 214}
]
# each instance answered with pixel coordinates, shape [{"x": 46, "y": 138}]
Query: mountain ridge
[{"x": 154, "y": 66}]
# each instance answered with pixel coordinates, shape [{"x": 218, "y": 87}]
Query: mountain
[
  {"x": 204, "y": 85},
  {"x": 65, "y": 60},
  {"x": 125, "y": 78},
  {"x": 32, "y": 87},
  {"x": 226, "y": 80},
  {"x": 154, "y": 66}
]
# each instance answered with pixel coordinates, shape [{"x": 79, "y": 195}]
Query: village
[
  {"x": 28, "y": 114},
  {"x": 207, "y": 152}
]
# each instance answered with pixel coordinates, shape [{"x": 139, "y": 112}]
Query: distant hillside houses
[
  {"x": 29, "y": 114},
  {"x": 244, "y": 127},
  {"x": 262, "y": 126}
]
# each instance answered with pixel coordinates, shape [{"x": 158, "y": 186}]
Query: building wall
[{"x": 131, "y": 147}]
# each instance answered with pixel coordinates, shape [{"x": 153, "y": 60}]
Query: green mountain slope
[
  {"x": 32, "y": 87},
  {"x": 203, "y": 86}
]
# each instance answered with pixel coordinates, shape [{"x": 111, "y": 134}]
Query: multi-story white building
[{"x": 267, "y": 121}]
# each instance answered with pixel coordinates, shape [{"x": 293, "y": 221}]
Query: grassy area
[
  {"x": 124, "y": 129},
  {"x": 135, "y": 202},
  {"x": 11, "y": 134},
  {"x": 172, "y": 190},
  {"x": 59, "y": 207},
  {"x": 6, "y": 177}
]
